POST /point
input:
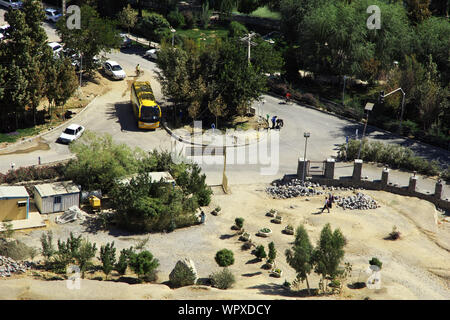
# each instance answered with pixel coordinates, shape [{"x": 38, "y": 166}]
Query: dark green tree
[
  {"x": 300, "y": 255},
  {"x": 260, "y": 252},
  {"x": 144, "y": 264},
  {"x": 108, "y": 257},
  {"x": 224, "y": 258}
]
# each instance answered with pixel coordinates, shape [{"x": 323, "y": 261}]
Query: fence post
[
  {"x": 438, "y": 190},
  {"x": 384, "y": 178},
  {"x": 412, "y": 183},
  {"x": 357, "y": 170},
  {"x": 329, "y": 169}
]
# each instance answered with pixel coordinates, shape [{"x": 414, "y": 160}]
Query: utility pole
[
  {"x": 248, "y": 39},
  {"x": 64, "y": 7},
  {"x": 306, "y": 135},
  {"x": 367, "y": 108}
]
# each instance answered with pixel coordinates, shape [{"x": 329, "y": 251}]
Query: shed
[
  {"x": 14, "y": 203},
  {"x": 57, "y": 196}
]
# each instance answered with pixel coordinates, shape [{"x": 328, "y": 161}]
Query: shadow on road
[{"x": 123, "y": 112}]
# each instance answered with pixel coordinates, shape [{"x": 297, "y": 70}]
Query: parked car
[
  {"x": 114, "y": 70},
  {"x": 3, "y": 31},
  {"x": 14, "y": 4},
  {"x": 56, "y": 47},
  {"x": 72, "y": 132},
  {"x": 52, "y": 15},
  {"x": 126, "y": 42},
  {"x": 151, "y": 54}
]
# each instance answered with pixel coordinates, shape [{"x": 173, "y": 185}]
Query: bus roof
[{"x": 144, "y": 93}]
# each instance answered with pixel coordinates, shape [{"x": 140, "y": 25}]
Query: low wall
[{"x": 356, "y": 182}]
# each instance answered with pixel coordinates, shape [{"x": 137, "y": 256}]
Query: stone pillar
[
  {"x": 412, "y": 183},
  {"x": 301, "y": 164},
  {"x": 357, "y": 169},
  {"x": 384, "y": 178},
  {"x": 329, "y": 169},
  {"x": 438, "y": 190}
]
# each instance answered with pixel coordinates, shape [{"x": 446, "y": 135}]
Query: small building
[
  {"x": 14, "y": 203},
  {"x": 56, "y": 197}
]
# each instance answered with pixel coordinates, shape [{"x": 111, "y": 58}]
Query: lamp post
[
  {"x": 367, "y": 108},
  {"x": 381, "y": 99},
  {"x": 173, "y": 34},
  {"x": 306, "y": 135}
]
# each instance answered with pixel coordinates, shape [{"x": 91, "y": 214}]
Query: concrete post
[
  {"x": 302, "y": 163},
  {"x": 329, "y": 169},
  {"x": 438, "y": 190},
  {"x": 412, "y": 184},
  {"x": 357, "y": 170},
  {"x": 384, "y": 178}
]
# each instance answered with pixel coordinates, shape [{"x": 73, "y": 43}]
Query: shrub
[
  {"x": 152, "y": 26},
  {"x": 108, "y": 257},
  {"x": 223, "y": 279},
  {"x": 144, "y": 265},
  {"x": 375, "y": 262},
  {"x": 260, "y": 252},
  {"x": 176, "y": 19},
  {"x": 308, "y": 98},
  {"x": 272, "y": 252},
  {"x": 239, "y": 222},
  {"x": 236, "y": 29},
  {"x": 224, "y": 258},
  {"x": 48, "y": 250},
  {"x": 122, "y": 264},
  {"x": 395, "y": 234},
  {"x": 446, "y": 174},
  {"x": 181, "y": 276},
  {"x": 247, "y": 245}
]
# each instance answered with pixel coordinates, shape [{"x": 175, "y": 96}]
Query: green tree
[
  {"x": 260, "y": 252},
  {"x": 84, "y": 255},
  {"x": 418, "y": 10},
  {"x": 127, "y": 17},
  {"x": 239, "y": 222},
  {"x": 300, "y": 255},
  {"x": 124, "y": 258},
  {"x": 328, "y": 254},
  {"x": 108, "y": 257},
  {"x": 144, "y": 265},
  {"x": 272, "y": 252},
  {"x": 48, "y": 249},
  {"x": 224, "y": 258},
  {"x": 94, "y": 36}
]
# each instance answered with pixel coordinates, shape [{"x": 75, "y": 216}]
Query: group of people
[
  {"x": 328, "y": 202},
  {"x": 277, "y": 123}
]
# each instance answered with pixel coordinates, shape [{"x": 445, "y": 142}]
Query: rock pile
[
  {"x": 359, "y": 201},
  {"x": 8, "y": 266},
  {"x": 293, "y": 188}
]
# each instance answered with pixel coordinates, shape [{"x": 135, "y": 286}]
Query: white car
[
  {"x": 114, "y": 70},
  {"x": 72, "y": 132},
  {"x": 14, "y": 4},
  {"x": 52, "y": 15},
  {"x": 57, "y": 48},
  {"x": 126, "y": 42},
  {"x": 3, "y": 31},
  {"x": 151, "y": 54}
]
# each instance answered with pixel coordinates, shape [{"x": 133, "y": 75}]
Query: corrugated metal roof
[
  {"x": 13, "y": 191},
  {"x": 56, "y": 188}
]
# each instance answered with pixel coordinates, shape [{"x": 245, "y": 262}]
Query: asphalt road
[{"x": 111, "y": 113}]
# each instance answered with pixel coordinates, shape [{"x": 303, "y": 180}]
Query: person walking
[
  {"x": 326, "y": 205},
  {"x": 274, "y": 119},
  {"x": 138, "y": 70}
]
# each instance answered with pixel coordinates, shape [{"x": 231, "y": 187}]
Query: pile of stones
[
  {"x": 358, "y": 201},
  {"x": 9, "y": 266},
  {"x": 293, "y": 188}
]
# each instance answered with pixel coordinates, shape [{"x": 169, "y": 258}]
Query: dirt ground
[{"x": 414, "y": 267}]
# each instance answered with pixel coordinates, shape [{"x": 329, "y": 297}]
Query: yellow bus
[{"x": 145, "y": 108}]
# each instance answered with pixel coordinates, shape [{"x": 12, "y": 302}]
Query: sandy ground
[{"x": 414, "y": 267}]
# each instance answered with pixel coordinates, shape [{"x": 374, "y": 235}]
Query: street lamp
[
  {"x": 173, "y": 34},
  {"x": 367, "y": 108},
  {"x": 382, "y": 96},
  {"x": 306, "y": 135}
]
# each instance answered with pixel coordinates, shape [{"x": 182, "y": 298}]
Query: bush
[
  {"x": 32, "y": 173},
  {"x": 224, "y": 258},
  {"x": 236, "y": 29},
  {"x": 375, "y": 262},
  {"x": 122, "y": 264},
  {"x": 395, "y": 234},
  {"x": 176, "y": 19},
  {"x": 272, "y": 252},
  {"x": 144, "y": 265},
  {"x": 260, "y": 253},
  {"x": 446, "y": 174},
  {"x": 181, "y": 276},
  {"x": 223, "y": 279},
  {"x": 308, "y": 98},
  {"x": 239, "y": 222},
  {"x": 152, "y": 26}
]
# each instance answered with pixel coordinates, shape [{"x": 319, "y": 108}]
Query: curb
[
  {"x": 29, "y": 139},
  {"x": 178, "y": 138}
]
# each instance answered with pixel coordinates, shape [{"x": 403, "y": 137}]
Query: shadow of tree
[
  {"x": 251, "y": 274},
  {"x": 280, "y": 290}
]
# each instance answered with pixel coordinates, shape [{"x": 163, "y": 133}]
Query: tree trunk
[{"x": 307, "y": 285}]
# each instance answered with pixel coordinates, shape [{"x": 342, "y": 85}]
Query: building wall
[
  {"x": 45, "y": 205},
  {"x": 10, "y": 211}
]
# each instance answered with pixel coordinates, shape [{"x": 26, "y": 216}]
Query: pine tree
[{"x": 108, "y": 257}]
